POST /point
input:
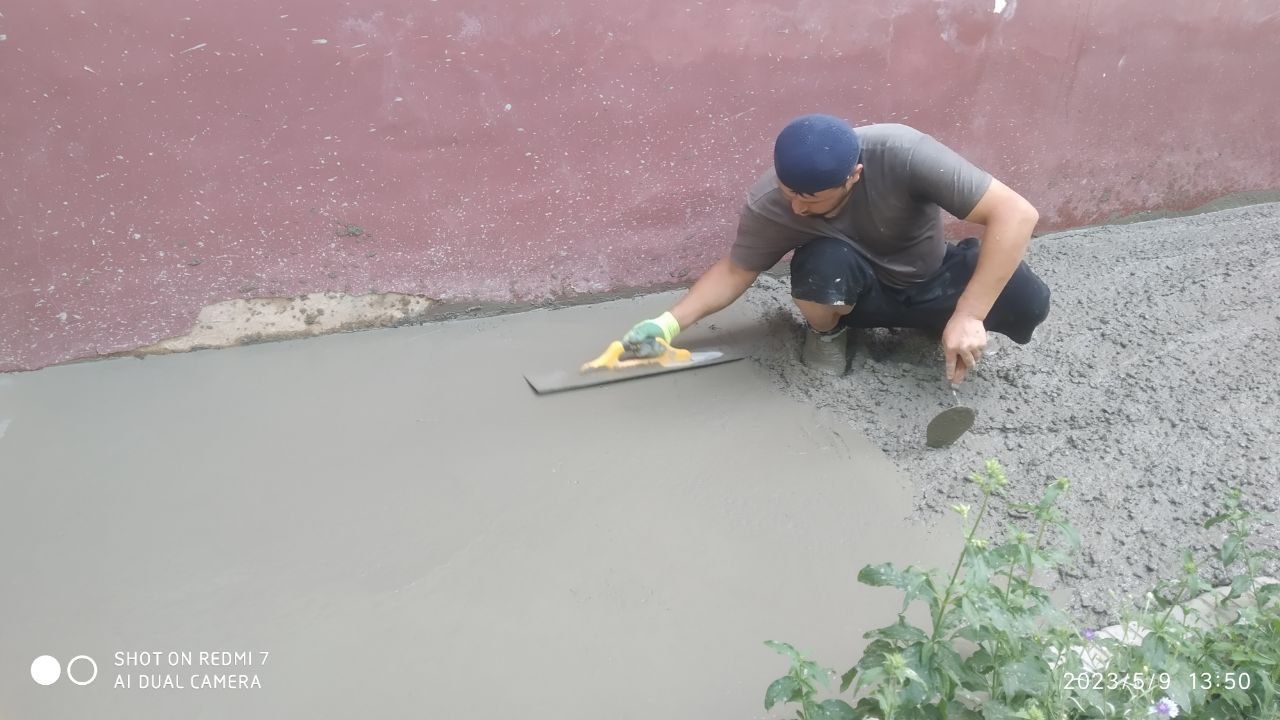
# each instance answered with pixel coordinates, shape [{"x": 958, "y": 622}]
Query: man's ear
[{"x": 855, "y": 175}]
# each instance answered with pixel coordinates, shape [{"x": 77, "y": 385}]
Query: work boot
[{"x": 827, "y": 352}]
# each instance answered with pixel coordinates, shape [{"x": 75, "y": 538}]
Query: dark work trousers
[{"x": 829, "y": 271}]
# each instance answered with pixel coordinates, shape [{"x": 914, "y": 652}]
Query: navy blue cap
[{"x": 815, "y": 153}]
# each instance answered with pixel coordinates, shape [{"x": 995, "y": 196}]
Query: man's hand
[
  {"x": 642, "y": 340},
  {"x": 963, "y": 341}
]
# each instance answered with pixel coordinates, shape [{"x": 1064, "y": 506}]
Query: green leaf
[
  {"x": 868, "y": 678},
  {"x": 978, "y": 569},
  {"x": 1242, "y": 656},
  {"x": 847, "y": 679},
  {"x": 992, "y": 611},
  {"x": 783, "y": 649},
  {"x": 1180, "y": 688},
  {"x": 911, "y": 580},
  {"x": 813, "y": 670},
  {"x": 1160, "y": 593},
  {"x": 922, "y": 712},
  {"x": 834, "y": 709},
  {"x": 975, "y": 634},
  {"x": 900, "y": 631},
  {"x": 783, "y": 690},
  {"x": 949, "y": 662},
  {"x": 919, "y": 688},
  {"x": 995, "y": 711},
  {"x": 1026, "y": 555},
  {"x": 1216, "y": 519},
  {"x": 969, "y": 611},
  {"x": 1268, "y": 688},
  {"x": 1028, "y": 676},
  {"x": 1238, "y": 697},
  {"x": 1230, "y": 549},
  {"x": 1156, "y": 650},
  {"x": 1197, "y": 584},
  {"x": 1239, "y": 586},
  {"x": 867, "y": 707},
  {"x": 1069, "y": 532},
  {"x": 1006, "y": 554},
  {"x": 873, "y": 654},
  {"x": 1267, "y": 593},
  {"x": 1051, "y": 494},
  {"x": 1220, "y": 708},
  {"x": 882, "y": 575}
]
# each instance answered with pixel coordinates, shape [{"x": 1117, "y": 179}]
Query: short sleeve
[
  {"x": 761, "y": 242},
  {"x": 941, "y": 176}
]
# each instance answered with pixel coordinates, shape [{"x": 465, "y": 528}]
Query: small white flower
[{"x": 1164, "y": 708}]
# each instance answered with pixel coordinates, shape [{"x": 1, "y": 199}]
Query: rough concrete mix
[{"x": 1153, "y": 387}]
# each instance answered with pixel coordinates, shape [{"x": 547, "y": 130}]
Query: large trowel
[
  {"x": 614, "y": 365},
  {"x": 947, "y": 426}
]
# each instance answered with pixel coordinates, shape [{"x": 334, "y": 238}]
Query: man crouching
[{"x": 861, "y": 208}]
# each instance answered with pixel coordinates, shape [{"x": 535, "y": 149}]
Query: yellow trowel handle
[{"x": 611, "y": 358}]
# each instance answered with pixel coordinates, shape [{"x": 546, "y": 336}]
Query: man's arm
[
  {"x": 718, "y": 287},
  {"x": 716, "y": 290},
  {"x": 1008, "y": 219}
]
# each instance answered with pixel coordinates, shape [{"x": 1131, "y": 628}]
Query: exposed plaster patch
[{"x": 238, "y": 322}]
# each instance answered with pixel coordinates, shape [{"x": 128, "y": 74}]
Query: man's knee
[
  {"x": 1035, "y": 305},
  {"x": 828, "y": 271},
  {"x": 822, "y": 317},
  {"x": 1029, "y": 309}
]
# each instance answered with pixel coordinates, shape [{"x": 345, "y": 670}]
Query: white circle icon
[
  {"x": 45, "y": 670},
  {"x": 92, "y": 664}
]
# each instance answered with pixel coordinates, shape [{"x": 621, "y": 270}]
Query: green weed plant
[{"x": 996, "y": 648}]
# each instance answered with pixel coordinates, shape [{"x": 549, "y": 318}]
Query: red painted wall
[{"x": 159, "y": 156}]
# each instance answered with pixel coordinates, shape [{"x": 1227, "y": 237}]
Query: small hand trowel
[
  {"x": 950, "y": 424},
  {"x": 612, "y": 366}
]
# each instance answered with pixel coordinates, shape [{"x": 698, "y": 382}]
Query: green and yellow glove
[{"x": 642, "y": 340}]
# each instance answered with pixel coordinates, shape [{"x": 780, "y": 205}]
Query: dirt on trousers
[{"x": 1152, "y": 386}]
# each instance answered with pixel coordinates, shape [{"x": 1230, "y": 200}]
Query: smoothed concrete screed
[{"x": 409, "y": 531}]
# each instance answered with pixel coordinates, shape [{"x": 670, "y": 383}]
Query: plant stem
[
  {"x": 893, "y": 702},
  {"x": 946, "y": 596},
  {"x": 1044, "y": 525},
  {"x": 1039, "y": 542},
  {"x": 994, "y": 671},
  {"x": 1181, "y": 591}
]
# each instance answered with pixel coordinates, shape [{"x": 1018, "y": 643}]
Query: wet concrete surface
[{"x": 409, "y": 531}]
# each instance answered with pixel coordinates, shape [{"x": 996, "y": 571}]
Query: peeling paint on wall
[{"x": 236, "y": 322}]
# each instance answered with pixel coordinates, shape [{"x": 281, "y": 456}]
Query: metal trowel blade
[
  {"x": 949, "y": 425},
  {"x": 700, "y": 357},
  {"x": 557, "y": 381}
]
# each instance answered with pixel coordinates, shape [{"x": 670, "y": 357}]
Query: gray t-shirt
[{"x": 893, "y": 217}]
